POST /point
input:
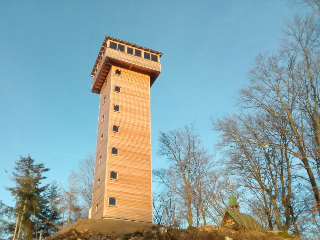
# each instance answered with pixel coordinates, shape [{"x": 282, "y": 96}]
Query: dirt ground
[
  {"x": 110, "y": 229},
  {"x": 105, "y": 226}
]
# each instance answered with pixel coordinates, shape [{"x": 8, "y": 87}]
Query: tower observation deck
[{"x": 123, "y": 74}]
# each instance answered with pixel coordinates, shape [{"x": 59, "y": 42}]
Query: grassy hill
[{"x": 108, "y": 229}]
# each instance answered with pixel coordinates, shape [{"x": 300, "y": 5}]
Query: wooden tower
[{"x": 123, "y": 74}]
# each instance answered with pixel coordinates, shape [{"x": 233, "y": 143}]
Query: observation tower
[{"x": 123, "y": 74}]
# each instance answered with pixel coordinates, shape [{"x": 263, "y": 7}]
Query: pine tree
[
  {"x": 50, "y": 217},
  {"x": 6, "y": 223},
  {"x": 28, "y": 193}
]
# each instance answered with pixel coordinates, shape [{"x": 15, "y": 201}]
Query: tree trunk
[
  {"x": 15, "y": 229},
  {"x": 276, "y": 212},
  {"x": 24, "y": 208},
  {"x": 267, "y": 210},
  {"x": 69, "y": 211},
  {"x": 201, "y": 203},
  {"x": 189, "y": 203},
  {"x": 296, "y": 230},
  {"x": 313, "y": 182}
]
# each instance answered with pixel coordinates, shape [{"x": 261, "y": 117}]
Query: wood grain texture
[{"x": 133, "y": 188}]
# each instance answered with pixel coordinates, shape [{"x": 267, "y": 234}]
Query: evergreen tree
[
  {"x": 6, "y": 217},
  {"x": 50, "y": 217},
  {"x": 28, "y": 193}
]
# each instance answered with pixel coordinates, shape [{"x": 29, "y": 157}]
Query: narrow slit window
[
  {"x": 113, "y": 45},
  {"x": 104, "y": 98},
  {"x": 116, "y": 108},
  {"x": 118, "y": 72},
  {"x": 130, "y": 50},
  {"x": 154, "y": 58},
  {"x": 99, "y": 182},
  {"x": 113, "y": 175},
  {"x": 116, "y": 88},
  {"x": 101, "y": 137},
  {"x": 146, "y": 55},
  {"x": 112, "y": 201},
  {"x": 100, "y": 159},
  {"x": 115, "y": 128},
  {"x": 102, "y": 118},
  {"x": 121, "y": 47},
  {"x": 137, "y": 52},
  {"x": 97, "y": 207},
  {"x": 114, "y": 151}
]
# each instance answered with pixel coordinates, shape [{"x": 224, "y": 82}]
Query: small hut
[{"x": 235, "y": 220}]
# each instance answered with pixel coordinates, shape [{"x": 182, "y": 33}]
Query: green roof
[
  {"x": 233, "y": 200},
  {"x": 244, "y": 220}
]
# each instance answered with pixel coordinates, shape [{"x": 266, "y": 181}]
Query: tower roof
[
  {"x": 104, "y": 45},
  {"x": 115, "y": 52},
  {"x": 233, "y": 200}
]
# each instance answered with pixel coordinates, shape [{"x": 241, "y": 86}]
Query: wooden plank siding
[
  {"x": 133, "y": 188},
  {"x": 99, "y": 192}
]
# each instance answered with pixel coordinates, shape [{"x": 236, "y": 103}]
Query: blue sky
[{"x": 48, "y": 49}]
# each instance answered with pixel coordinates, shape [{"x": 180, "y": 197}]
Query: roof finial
[
  {"x": 233, "y": 204},
  {"x": 230, "y": 185}
]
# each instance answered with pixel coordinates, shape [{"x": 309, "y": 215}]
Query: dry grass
[{"x": 106, "y": 229}]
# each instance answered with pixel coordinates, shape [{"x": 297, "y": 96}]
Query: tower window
[
  {"x": 99, "y": 182},
  {"x": 97, "y": 207},
  {"x": 146, "y": 55},
  {"x": 115, "y": 128},
  {"x": 101, "y": 137},
  {"x": 113, "y": 175},
  {"x": 104, "y": 98},
  {"x": 121, "y": 47},
  {"x": 114, "y": 151},
  {"x": 100, "y": 159},
  {"x": 137, "y": 52},
  {"x": 102, "y": 118},
  {"x": 154, "y": 58},
  {"x": 130, "y": 50},
  {"x": 113, "y": 45},
  {"x": 118, "y": 72},
  {"x": 112, "y": 201},
  {"x": 116, "y": 89},
  {"x": 116, "y": 108}
]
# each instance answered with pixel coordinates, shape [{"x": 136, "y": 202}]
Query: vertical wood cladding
[
  {"x": 132, "y": 189},
  {"x": 99, "y": 192}
]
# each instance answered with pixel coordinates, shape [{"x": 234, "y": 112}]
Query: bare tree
[
  {"x": 70, "y": 209},
  {"x": 189, "y": 183},
  {"x": 77, "y": 196},
  {"x": 274, "y": 145},
  {"x": 177, "y": 146},
  {"x": 216, "y": 193},
  {"x": 164, "y": 207},
  {"x": 286, "y": 86},
  {"x": 258, "y": 165},
  {"x": 84, "y": 177},
  {"x": 314, "y": 4}
]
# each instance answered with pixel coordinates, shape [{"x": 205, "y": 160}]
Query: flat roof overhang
[{"x": 112, "y": 57}]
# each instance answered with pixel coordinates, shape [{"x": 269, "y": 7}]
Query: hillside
[{"x": 107, "y": 229}]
